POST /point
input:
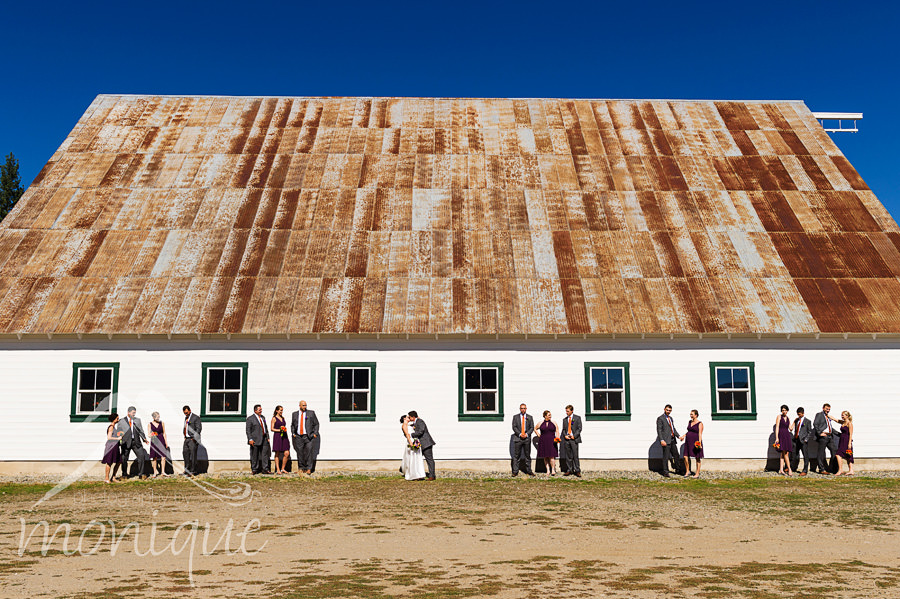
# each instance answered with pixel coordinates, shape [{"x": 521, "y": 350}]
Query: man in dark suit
[
  {"x": 824, "y": 438},
  {"x": 668, "y": 437},
  {"x": 132, "y": 437},
  {"x": 258, "y": 440},
  {"x": 571, "y": 430},
  {"x": 523, "y": 427},
  {"x": 420, "y": 432},
  {"x": 304, "y": 431},
  {"x": 191, "y": 432},
  {"x": 803, "y": 432}
]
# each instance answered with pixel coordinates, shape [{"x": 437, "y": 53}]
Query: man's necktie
[
  {"x": 570, "y": 425},
  {"x": 302, "y": 414}
]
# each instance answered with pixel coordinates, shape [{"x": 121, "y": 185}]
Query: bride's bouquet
[{"x": 416, "y": 445}]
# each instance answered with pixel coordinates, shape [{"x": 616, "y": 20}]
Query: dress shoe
[
  {"x": 429, "y": 479},
  {"x": 803, "y": 474},
  {"x": 514, "y": 474},
  {"x": 567, "y": 474},
  {"x": 530, "y": 473},
  {"x": 578, "y": 474},
  {"x": 665, "y": 475}
]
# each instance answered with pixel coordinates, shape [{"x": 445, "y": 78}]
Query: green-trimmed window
[
  {"x": 607, "y": 391},
  {"x": 95, "y": 387},
  {"x": 352, "y": 391},
  {"x": 733, "y": 389},
  {"x": 224, "y": 395},
  {"x": 480, "y": 391}
]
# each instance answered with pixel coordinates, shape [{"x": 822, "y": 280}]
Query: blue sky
[{"x": 58, "y": 56}]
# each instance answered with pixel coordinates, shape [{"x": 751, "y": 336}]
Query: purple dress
[
  {"x": 157, "y": 442},
  {"x": 784, "y": 434},
  {"x": 690, "y": 438},
  {"x": 546, "y": 447},
  {"x": 280, "y": 443},
  {"x": 111, "y": 453},
  {"x": 844, "y": 444}
]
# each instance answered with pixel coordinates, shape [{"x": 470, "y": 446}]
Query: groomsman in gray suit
[
  {"x": 523, "y": 427},
  {"x": 132, "y": 437},
  {"x": 824, "y": 438},
  {"x": 191, "y": 431},
  {"x": 304, "y": 430},
  {"x": 571, "y": 434},
  {"x": 668, "y": 437},
  {"x": 258, "y": 440},
  {"x": 420, "y": 432},
  {"x": 803, "y": 432}
]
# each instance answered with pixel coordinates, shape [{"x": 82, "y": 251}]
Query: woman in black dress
[
  {"x": 845, "y": 447},
  {"x": 784, "y": 429},
  {"x": 547, "y": 440},
  {"x": 112, "y": 456},
  {"x": 693, "y": 443}
]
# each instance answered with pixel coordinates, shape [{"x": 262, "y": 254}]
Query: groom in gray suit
[
  {"x": 668, "y": 439},
  {"x": 571, "y": 434},
  {"x": 258, "y": 440},
  {"x": 304, "y": 430},
  {"x": 420, "y": 432},
  {"x": 803, "y": 432},
  {"x": 523, "y": 427},
  {"x": 133, "y": 435}
]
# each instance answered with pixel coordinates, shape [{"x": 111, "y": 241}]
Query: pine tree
[{"x": 10, "y": 185}]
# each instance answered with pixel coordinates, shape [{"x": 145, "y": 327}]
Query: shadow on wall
[{"x": 655, "y": 457}]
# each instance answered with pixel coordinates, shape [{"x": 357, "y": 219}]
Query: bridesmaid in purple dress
[
  {"x": 547, "y": 440},
  {"x": 845, "y": 447},
  {"x": 281, "y": 444},
  {"x": 784, "y": 440},
  {"x": 159, "y": 447},
  {"x": 693, "y": 443},
  {"x": 112, "y": 456}
]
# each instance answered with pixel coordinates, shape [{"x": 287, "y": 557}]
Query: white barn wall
[{"x": 35, "y": 379}]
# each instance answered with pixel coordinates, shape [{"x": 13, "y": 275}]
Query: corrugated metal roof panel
[{"x": 417, "y": 215}]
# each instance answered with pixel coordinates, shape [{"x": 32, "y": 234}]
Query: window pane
[
  {"x": 216, "y": 378},
  {"x": 726, "y": 401},
  {"x": 723, "y": 378},
  {"x": 472, "y": 378},
  {"x": 232, "y": 401},
  {"x": 616, "y": 378},
  {"x": 740, "y": 400},
  {"x": 473, "y": 401},
  {"x": 598, "y": 378},
  {"x": 233, "y": 378},
  {"x": 216, "y": 402},
  {"x": 599, "y": 403},
  {"x": 345, "y": 402},
  {"x": 87, "y": 402},
  {"x": 344, "y": 378},
  {"x": 741, "y": 378},
  {"x": 488, "y": 378},
  {"x": 360, "y": 402},
  {"x": 87, "y": 379},
  {"x": 104, "y": 379},
  {"x": 489, "y": 401},
  {"x": 360, "y": 378},
  {"x": 614, "y": 401}
]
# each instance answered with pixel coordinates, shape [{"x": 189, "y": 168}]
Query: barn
[{"x": 453, "y": 256}]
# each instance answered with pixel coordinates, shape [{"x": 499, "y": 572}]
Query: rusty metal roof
[{"x": 175, "y": 215}]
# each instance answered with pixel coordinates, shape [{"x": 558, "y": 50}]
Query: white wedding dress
[{"x": 413, "y": 465}]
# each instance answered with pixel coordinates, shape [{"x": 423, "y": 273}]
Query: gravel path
[{"x": 479, "y": 475}]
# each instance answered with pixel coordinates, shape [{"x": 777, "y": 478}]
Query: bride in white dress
[{"x": 413, "y": 465}]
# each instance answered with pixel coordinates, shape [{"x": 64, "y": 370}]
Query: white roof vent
[{"x": 828, "y": 120}]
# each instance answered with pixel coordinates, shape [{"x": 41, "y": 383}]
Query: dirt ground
[{"x": 377, "y": 537}]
